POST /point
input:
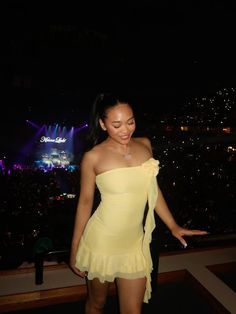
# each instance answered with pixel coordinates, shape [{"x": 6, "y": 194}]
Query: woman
[{"x": 112, "y": 244}]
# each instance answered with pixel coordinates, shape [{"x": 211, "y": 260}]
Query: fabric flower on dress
[{"x": 151, "y": 166}]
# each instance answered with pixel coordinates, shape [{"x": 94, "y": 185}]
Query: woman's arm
[
  {"x": 166, "y": 216},
  {"x": 84, "y": 207}
]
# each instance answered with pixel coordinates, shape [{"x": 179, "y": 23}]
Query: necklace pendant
[{"x": 127, "y": 156}]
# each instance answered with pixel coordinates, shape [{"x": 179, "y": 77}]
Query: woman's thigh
[
  {"x": 131, "y": 294},
  {"x": 97, "y": 291}
]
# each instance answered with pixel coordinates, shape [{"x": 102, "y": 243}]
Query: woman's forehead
[{"x": 120, "y": 108}]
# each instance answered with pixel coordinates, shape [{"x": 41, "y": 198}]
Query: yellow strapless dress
[{"x": 115, "y": 243}]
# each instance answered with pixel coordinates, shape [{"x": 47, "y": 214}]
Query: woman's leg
[
  {"x": 131, "y": 294},
  {"x": 97, "y": 295}
]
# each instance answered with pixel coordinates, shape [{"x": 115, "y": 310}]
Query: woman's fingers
[
  {"x": 179, "y": 233},
  {"x": 193, "y": 232},
  {"x": 82, "y": 274}
]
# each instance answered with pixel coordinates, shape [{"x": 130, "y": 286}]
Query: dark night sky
[{"x": 57, "y": 57}]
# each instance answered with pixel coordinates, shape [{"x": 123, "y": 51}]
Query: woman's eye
[{"x": 116, "y": 126}]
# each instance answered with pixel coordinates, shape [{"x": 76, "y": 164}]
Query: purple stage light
[
  {"x": 33, "y": 124},
  {"x": 82, "y": 127},
  {"x": 27, "y": 148}
]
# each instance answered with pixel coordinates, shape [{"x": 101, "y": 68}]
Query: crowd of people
[
  {"x": 198, "y": 183},
  {"x": 35, "y": 204}
]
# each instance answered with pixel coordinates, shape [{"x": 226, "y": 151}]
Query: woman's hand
[
  {"x": 82, "y": 274},
  {"x": 180, "y": 232}
]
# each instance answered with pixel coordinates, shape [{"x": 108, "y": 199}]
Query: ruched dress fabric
[{"x": 115, "y": 242}]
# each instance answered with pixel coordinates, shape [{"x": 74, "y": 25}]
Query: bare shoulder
[
  {"x": 94, "y": 157},
  {"x": 89, "y": 159},
  {"x": 144, "y": 141}
]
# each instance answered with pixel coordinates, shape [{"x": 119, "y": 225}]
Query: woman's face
[{"x": 119, "y": 123}]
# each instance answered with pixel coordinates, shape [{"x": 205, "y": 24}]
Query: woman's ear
[{"x": 102, "y": 125}]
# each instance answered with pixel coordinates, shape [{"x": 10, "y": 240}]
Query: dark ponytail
[{"x": 98, "y": 111}]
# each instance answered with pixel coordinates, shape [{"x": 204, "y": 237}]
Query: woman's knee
[
  {"x": 97, "y": 294},
  {"x": 96, "y": 302}
]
